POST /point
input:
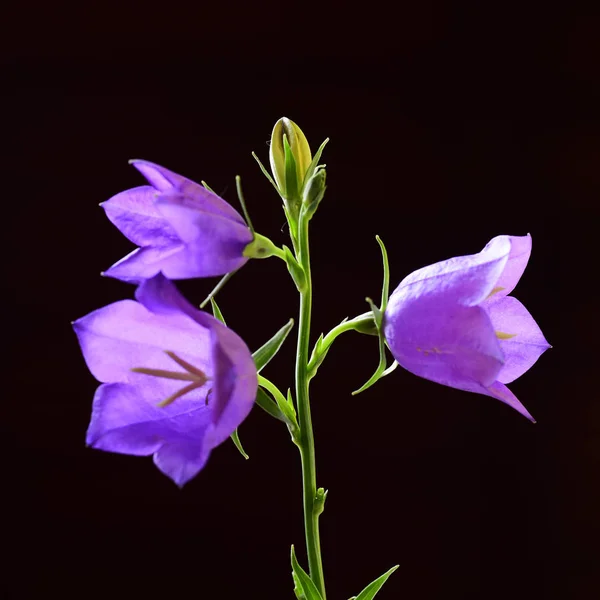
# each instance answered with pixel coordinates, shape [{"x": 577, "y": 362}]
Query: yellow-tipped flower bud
[{"x": 289, "y": 181}]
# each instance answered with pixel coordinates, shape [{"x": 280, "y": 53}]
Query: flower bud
[
  {"x": 314, "y": 191},
  {"x": 290, "y": 183}
]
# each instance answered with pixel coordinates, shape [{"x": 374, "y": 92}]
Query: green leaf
[
  {"x": 267, "y": 351},
  {"x": 369, "y": 592},
  {"x": 269, "y": 406},
  {"x": 305, "y": 588},
  {"x": 286, "y": 406},
  {"x": 295, "y": 269},
  {"x": 217, "y": 311},
  {"x": 315, "y": 162},
  {"x": 236, "y": 440}
]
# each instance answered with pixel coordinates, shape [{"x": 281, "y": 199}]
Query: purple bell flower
[
  {"x": 182, "y": 229},
  {"x": 454, "y": 323},
  {"x": 176, "y": 382}
]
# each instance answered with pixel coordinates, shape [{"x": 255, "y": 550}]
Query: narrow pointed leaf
[
  {"x": 269, "y": 406},
  {"x": 267, "y": 351},
  {"x": 236, "y": 440},
  {"x": 304, "y": 584},
  {"x": 216, "y": 311},
  {"x": 369, "y": 592},
  {"x": 295, "y": 269}
]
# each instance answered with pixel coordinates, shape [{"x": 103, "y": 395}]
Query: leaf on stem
[
  {"x": 267, "y": 351},
  {"x": 305, "y": 588},
  {"x": 369, "y": 592},
  {"x": 236, "y": 440}
]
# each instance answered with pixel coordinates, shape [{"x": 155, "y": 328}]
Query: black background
[{"x": 449, "y": 124}]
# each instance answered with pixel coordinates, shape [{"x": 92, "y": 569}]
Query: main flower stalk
[{"x": 312, "y": 507}]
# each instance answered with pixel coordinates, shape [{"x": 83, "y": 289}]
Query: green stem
[
  {"x": 362, "y": 321},
  {"x": 307, "y": 442}
]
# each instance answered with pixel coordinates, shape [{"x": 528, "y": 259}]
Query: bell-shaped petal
[
  {"x": 521, "y": 340},
  {"x": 444, "y": 342},
  {"x": 499, "y": 391},
  {"x": 466, "y": 280},
  {"x": 183, "y": 229},
  {"x": 518, "y": 257},
  {"x": 134, "y": 213},
  {"x": 164, "y": 180},
  {"x": 452, "y": 322},
  {"x": 136, "y": 349}
]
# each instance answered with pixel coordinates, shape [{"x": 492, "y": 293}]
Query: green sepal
[
  {"x": 390, "y": 369},
  {"x": 369, "y": 592},
  {"x": 295, "y": 269},
  {"x": 207, "y": 187},
  {"x": 382, "y": 357},
  {"x": 292, "y": 187},
  {"x": 267, "y": 351},
  {"x": 378, "y": 313},
  {"x": 265, "y": 172},
  {"x": 218, "y": 287},
  {"x": 315, "y": 162},
  {"x": 236, "y": 440},
  {"x": 304, "y": 587},
  {"x": 385, "y": 288},
  {"x": 240, "y": 193}
]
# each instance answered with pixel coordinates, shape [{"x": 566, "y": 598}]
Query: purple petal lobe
[
  {"x": 510, "y": 317},
  {"x": 125, "y": 335},
  {"x": 236, "y": 382},
  {"x": 126, "y": 420},
  {"x": 216, "y": 244},
  {"x": 134, "y": 214},
  {"x": 499, "y": 391},
  {"x": 520, "y": 251},
  {"x": 444, "y": 342},
  {"x": 181, "y": 462},
  {"x": 466, "y": 280},
  {"x": 167, "y": 181},
  {"x": 118, "y": 424},
  {"x": 143, "y": 263},
  {"x": 235, "y": 377}
]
